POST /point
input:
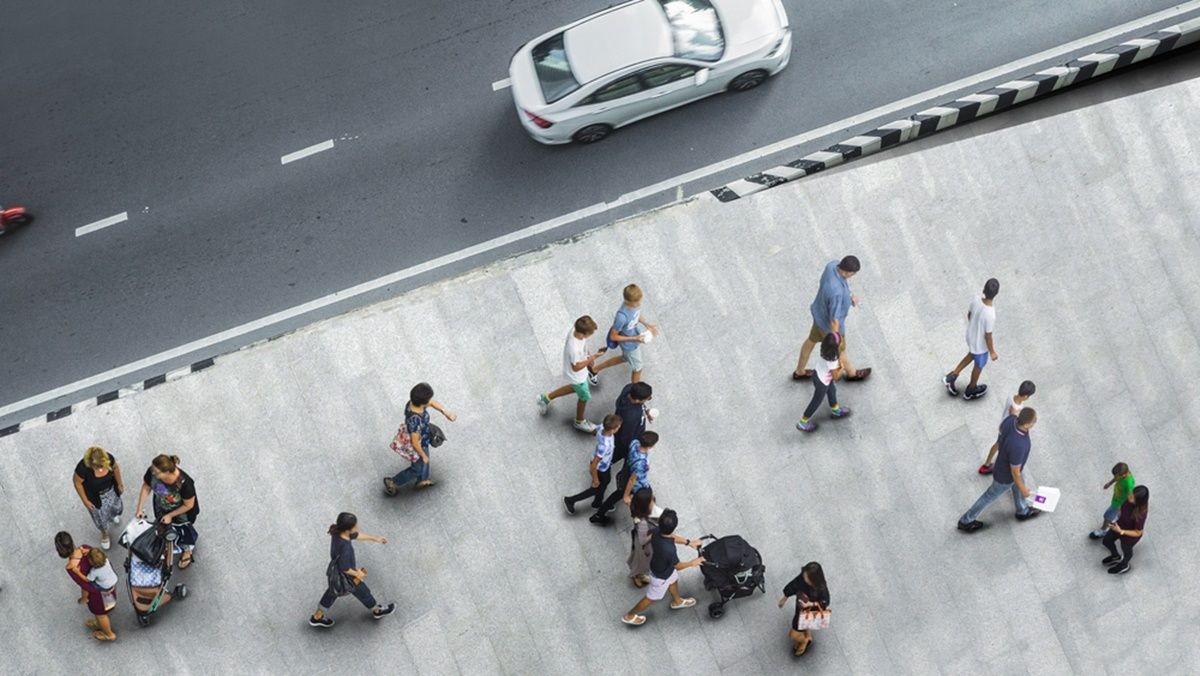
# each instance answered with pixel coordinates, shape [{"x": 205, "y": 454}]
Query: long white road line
[
  {"x": 311, "y": 150},
  {"x": 102, "y": 223},
  {"x": 531, "y": 231}
]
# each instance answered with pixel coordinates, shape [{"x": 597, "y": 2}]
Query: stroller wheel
[
  {"x": 716, "y": 610},
  {"x": 181, "y": 591},
  {"x": 143, "y": 620}
]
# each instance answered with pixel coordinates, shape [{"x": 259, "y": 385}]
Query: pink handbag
[
  {"x": 402, "y": 444},
  {"x": 813, "y": 619}
]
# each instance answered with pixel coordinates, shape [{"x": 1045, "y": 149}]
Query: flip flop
[
  {"x": 101, "y": 636},
  {"x": 861, "y": 374},
  {"x": 637, "y": 621},
  {"x": 92, "y": 624},
  {"x": 806, "y": 374},
  {"x": 187, "y": 559},
  {"x": 424, "y": 484},
  {"x": 687, "y": 603}
]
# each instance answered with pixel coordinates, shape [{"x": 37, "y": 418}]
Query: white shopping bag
[{"x": 1045, "y": 498}]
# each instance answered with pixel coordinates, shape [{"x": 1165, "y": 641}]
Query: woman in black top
[
  {"x": 175, "y": 502},
  {"x": 99, "y": 485},
  {"x": 811, "y": 594},
  {"x": 341, "y": 552}
]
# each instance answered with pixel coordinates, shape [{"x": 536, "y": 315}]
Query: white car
[{"x": 643, "y": 57}]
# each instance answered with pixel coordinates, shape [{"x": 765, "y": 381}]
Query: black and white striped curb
[
  {"x": 114, "y": 395},
  {"x": 968, "y": 108}
]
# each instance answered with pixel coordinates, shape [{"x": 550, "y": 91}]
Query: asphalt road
[{"x": 179, "y": 114}]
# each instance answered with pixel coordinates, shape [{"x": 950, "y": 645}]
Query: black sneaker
[
  {"x": 1097, "y": 534},
  {"x": 601, "y": 519},
  {"x": 971, "y": 527},
  {"x": 975, "y": 392},
  {"x": 1110, "y": 560},
  {"x": 570, "y": 506},
  {"x": 948, "y": 381},
  {"x": 383, "y": 611},
  {"x": 1031, "y": 514},
  {"x": 1119, "y": 569},
  {"x": 323, "y": 623}
]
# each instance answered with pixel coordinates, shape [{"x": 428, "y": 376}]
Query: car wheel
[
  {"x": 748, "y": 80},
  {"x": 592, "y": 133}
]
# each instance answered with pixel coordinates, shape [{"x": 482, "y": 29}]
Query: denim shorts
[
  {"x": 633, "y": 358},
  {"x": 981, "y": 359}
]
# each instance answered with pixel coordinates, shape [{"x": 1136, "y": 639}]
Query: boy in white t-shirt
[
  {"x": 981, "y": 319},
  {"x": 104, "y": 579},
  {"x": 576, "y": 362},
  {"x": 1011, "y": 407}
]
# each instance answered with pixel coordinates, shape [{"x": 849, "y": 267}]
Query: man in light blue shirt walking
[{"x": 829, "y": 312}]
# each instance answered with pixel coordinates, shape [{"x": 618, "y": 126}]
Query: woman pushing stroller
[{"x": 175, "y": 502}]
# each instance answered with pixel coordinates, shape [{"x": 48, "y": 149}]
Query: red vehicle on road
[{"x": 12, "y": 217}]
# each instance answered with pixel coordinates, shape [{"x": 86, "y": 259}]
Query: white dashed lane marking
[
  {"x": 501, "y": 84},
  {"x": 102, "y": 223},
  {"x": 311, "y": 150}
]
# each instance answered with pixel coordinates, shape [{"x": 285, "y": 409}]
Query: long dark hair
[
  {"x": 1141, "y": 500},
  {"x": 64, "y": 544},
  {"x": 639, "y": 504},
  {"x": 816, "y": 576},
  {"x": 345, "y": 522}
]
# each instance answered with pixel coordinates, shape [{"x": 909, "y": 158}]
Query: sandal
[
  {"x": 686, "y": 603},
  {"x": 861, "y": 374},
  {"x": 424, "y": 484},
  {"x": 101, "y": 636},
  {"x": 635, "y": 621},
  {"x": 806, "y": 374},
  {"x": 186, "y": 560},
  {"x": 92, "y": 624}
]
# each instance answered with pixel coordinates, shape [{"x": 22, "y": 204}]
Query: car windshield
[
  {"x": 553, "y": 69},
  {"x": 696, "y": 29}
]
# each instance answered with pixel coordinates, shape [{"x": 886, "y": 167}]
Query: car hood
[{"x": 747, "y": 22}]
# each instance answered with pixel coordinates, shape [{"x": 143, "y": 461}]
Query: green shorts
[
  {"x": 816, "y": 335},
  {"x": 633, "y": 358},
  {"x": 582, "y": 390}
]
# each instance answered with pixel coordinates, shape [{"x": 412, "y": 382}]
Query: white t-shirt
[
  {"x": 981, "y": 323},
  {"x": 1010, "y": 405},
  {"x": 825, "y": 370},
  {"x": 104, "y": 576},
  {"x": 574, "y": 352}
]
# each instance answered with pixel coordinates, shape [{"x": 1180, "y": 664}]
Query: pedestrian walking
[
  {"x": 1010, "y": 461},
  {"x": 577, "y": 364},
  {"x": 824, "y": 380},
  {"x": 664, "y": 569},
  {"x": 1012, "y": 407},
  {"x": 1122, "y": 485},
  {"x": 629, "y": 332},
  {"x": 1128, "y": 528},
  {"x": 643, "y": 509},
  {"x": 416, "y": 438},
  {"x": 100, "y": 486},
  {"x": 599, "y": 466},
  {"x": 829, "y": 311},
  {"x": 343, "y": 574},
  {"x": 981, "y": 320},
  {"x": 639, "y": 464},
  {"x": 631, "y": 406},
  {"x": 812, "y": 605},
  {"x": 175, "y": 503},
  {"x": 79, "y": 567}
]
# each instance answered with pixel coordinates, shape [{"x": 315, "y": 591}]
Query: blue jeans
[
  {"x": 418, "y": 471},
  {"x": 992, "y": 494}
]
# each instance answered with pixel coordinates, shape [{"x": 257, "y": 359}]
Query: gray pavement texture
[
  {"x": 1087, "y": 221},
  {"x": 179, "y": 116}
]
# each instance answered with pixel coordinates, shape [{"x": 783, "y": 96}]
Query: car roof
[{"x": 613, "y": 40}]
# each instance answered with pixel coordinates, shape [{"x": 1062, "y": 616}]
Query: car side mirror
[{"x": 702, "y": 76}]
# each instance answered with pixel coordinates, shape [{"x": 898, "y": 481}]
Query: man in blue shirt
[
  {"x": 1014, "y": 445},
  {"x": 829, "y": 311}
]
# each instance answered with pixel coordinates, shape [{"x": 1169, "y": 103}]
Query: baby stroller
[
  {"x": 148, "y": 567},
  {"x": 733, "y": 568}
]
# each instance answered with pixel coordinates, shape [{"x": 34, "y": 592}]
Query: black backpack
[{"x": 338, "y": 582}]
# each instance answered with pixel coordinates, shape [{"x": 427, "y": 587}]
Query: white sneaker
[
  {"x": 585, "y": 426},
  {"x": 593, "y": 379},
  {"x": 543, "y": 404}
]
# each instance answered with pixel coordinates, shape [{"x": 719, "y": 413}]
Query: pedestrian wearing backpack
[
  {"x": 416, "y": 437},
  {"x": 344, "y": 576}
]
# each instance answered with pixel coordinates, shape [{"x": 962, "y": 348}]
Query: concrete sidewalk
[{"x": 1087, "y": 217}]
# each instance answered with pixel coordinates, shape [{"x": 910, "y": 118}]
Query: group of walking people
[{"x": 100, "y": 486}]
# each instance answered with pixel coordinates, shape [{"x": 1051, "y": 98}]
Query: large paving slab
[{"x": 1088, "y": 217}]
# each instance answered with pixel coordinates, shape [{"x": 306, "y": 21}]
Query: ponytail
[{"x": 345, "y": 522}]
